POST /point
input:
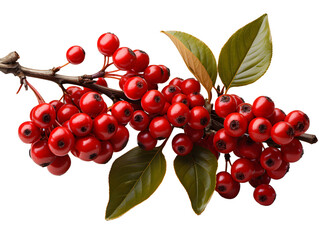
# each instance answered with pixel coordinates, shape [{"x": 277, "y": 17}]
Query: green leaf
[
  {"x": 133, "y": 178},
  {"x": 246, "y": 55},
  {"x": 197, "y": 56},
  {"x": 197, "y": 173}
]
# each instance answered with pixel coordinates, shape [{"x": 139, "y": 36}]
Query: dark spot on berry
[
  {"x": 162, "y": 71},
  {"x": 168, "y": 71},
  {"x": 262, "y": 128},
  {"x": 139, "y": 84},
  {"x": 93, "y": 156},
  {"x": 240, "y": 176},
  {"x": 181, "y": 149},
  {"x": 282, "y": 111},
  {"x": 234, "y": 125},
  {"x": 221, "y": 188},
  {"x": 299, "y": 126},
  {"x": 262, "y": 198},
  {"x": 111, "y": 128},
  {"x": 306, "y": 117},
  {"x": 172, "y": 89},
  {"x": 290, "y": 132},
  {"x": 203, "y": 121},
  {"x": 157, "y": 99},
  {"x": 225, "y": 98},
  {"x": 269, "y": 99},
  {"x": 180, "y": 119},
  {"x": 83, "y": 129},
  {"x": 270, "y": 162},
  {"x": 249, "y": 141},
  {"x": 184, "y": 101},
  {"x": 46, "y": 118},
  {"x": 131, "y": 52},
  {"x": 195, "y": 93},
  {"x": 141, "y": 51},
  {"x": 45, "y": 164},
  {"x": 127, "y": 112},
  {"x": 221, "y": 145},
  {"x": 97, "y": 97},
  {"x": 61, "y": 144},
  {"x": 138, "y": 118},
  {"x": 27, "y": 132},
  {"x": 141, "y": 145},
  {"x": 246, "y": 108}
]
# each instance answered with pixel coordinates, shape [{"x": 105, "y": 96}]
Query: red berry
[
  {"x": 233, "y": 191},
  {"x": 195, "y": 99},
  {"x": 277, "y": 116},
  {"x": 105, "y": 154},
  {"x": 194, "y": 134},
  {"x": 135, "y": 88},
  {"x": 41, "y": 154},
  {"x": 153, "y": 74},
  {"x": 43, "y": 115},
  {"x": 80, "y": 124},
  {"x": 73, "y": 95},
  {"x": 140, "y": 120},
  {"x": 224, "y": 182},
  {"x": 122, "y": 111},
  {"x": 235, "y": 124},
  {"x": 176, "y": 81},
  {"x": 224, "y": 105},
  {"x": 87, "y": 148},
  {"x": 208, "y": 143},
  {"x": 66, "y": 112},
  {"x": 223, "y": 142},
  {"x": 199, "y": 118},
  {"x": 263, "y": 107},
  {"x": 126, "y": 77},
  {"x": 165, "y": 108},
  {"x": 258, "y": 169},
  {"x": 262, "y": 179},
  {"x": 282, "y": 133},
  {"x": 238, "y": 99},
  {"x": 242, "y": 170},
  {"x": 92, "y": 104},
  {"x": 60, "y": 165},
  {"x": 146, "y": 141},
  {"x": 182, "y": 98},
  {"x": 120, "y": 139},
  {"x": 102, "y": 82},
  {"x": 153, "y": 101},
  {"x": 160, "y": 128},
  {"x": 105, "y": 126},
  {"x": 245, "y": 109},
  {"x": 178, "y": 114},
  {"x": 61, "y": 141},
  {"x": 280, "y": 172},
  {"x": 166, "y": 73},
  {"x": 28, "y": 132},
  {"x": 107, "y": 44},
  {"x": 141, "y": 62},
  {"x": 182, "y": 145},
  {"x": 189, "y": 86},
  {"x": 170, "y": 91},
  {"x": 292, "y": 151},
  {"x": 247, "y": 148},
  {"x": 271, "y": 158},
  {"x": 56, "y": 104},
  {"x": 264, "y": 194},
  {"x": 299, "y": 121},
  {"x": 259, "y": 129},
  {"x": 124, "y": 58},
  {"x": 75, "y": 55}
]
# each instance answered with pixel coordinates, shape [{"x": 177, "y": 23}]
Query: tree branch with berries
[{"x": 263, "y": 138}]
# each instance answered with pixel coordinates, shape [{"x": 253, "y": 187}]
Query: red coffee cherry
[
  {"x": 224, "y": 182},
  {"x": 194, "y": 134},
  {"x": 92, "y": 104},
  {"x": 56, "y": 104},
  {"x": 166, "y": 73},
  {"x": 105, "y": 126},
  {"x": 235, "y": 124},
  {"x": 75, "y": 55},
  {"x": 43, "y": 115},
  {"x": 224, "y": 105},
  {"x": 141, "y": 62},
  {"x": 28, "y": 132},
  {"x": 122, "y": 111},
  {"x": 259, "y": 129},
  {"x": 120, "y": 139},
  {"x": 245, "y": 109},
  {"x": 60, "y": 165},
  {"x": 233, "y": 191},
  {"x": 87, "y": 148},
  {"x": 223, "y": 142},
  {"x": 182, "y": 145},
  {"x": 292, "y": 151},
  {"x": 247, "y": 148},
  {"x": 242, "y": 170},
  {"x": 146, "y": 141},
  {"x": 280, "y": 172},
  {"x": 61, "y": 141},
  {"x": 271, "y": 158},
  {"x": 282, "y": 133},
  {"x": 160, "y": 128},
  {"x": 264, "y": 194},
  {"x": 195, "y": 99},
  {"x": 278, "y": 116},
  {"x": 80, "y": 124},
  {"x": 178, "y": 114},
  {"x": 262, "y": 179},
  {"x": 140, "y": 120},
  {"x": 153, "y": 101},
  {"x": 199, "y": 118},
  {"x": 73, "y": 95},
  {"x": 107, "y": 44},
  {"x": 189, "y": 86},
  {"x": 263, "y": 107},
  {"x": 299, "y": 121},
  {"x": 176, "y": 81},
  {"x": 153, "y": 74},
  {"x": 170, "y": 91},
  {"x": 66, "y": 112},
  {"x": 41, "y": 154},
  {"x": 135, "y": 88},
  {"x": 182, "y": 98},
  {"x": 105, "y": 154},
  {"x": 124, "y": 58}
]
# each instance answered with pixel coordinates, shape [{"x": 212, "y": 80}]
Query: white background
[{"x": 37, "y": 205}]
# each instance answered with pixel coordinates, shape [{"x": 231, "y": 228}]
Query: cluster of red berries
[{"x": 246, "y": 126}]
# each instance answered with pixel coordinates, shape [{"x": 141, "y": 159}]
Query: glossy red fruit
[
  {"x": 73, "y": 95},
  {"x": 194, "y": 134},
  {"x": 61, "y": 141},
  {"x": 195, "y": 99},
  {"x": 165, "y": 108},
  {"x": 43, "y": 115},
  {"x": 282, "y": 133},
  {"x": 258, "y": 169},
  {"x": 146, "y": 141},
  {"x": 182, "y": 98},
  {"x": 124, "y": 58},
  {"x": 135, "y": 88},
  {"x": 271, "y": 158},
  {"x": 80, "y": 124},
  {"x": 263, "y": 107},
  {"x": 122, "y": 111},
  {"x": 233, "y": 191},
  {"x": 66, "y": 112},
  {"x": 56, "y": 104},
  {"x": 101, "y": 81},
  {"x": 41, "y": 154},
  {"x": 280, "y": 172},
  {"x": 178, "y": 114},
  {"x": 176, "y": 81},
  {"x": 107, "y": 44},
  {"x": 292, "y": 151},
  {"x": 235, "y": 124},
  {"x": 262, "y": 179},
  {"x": 224, "y": 105},
  {"x": 166, "y": 73},
  {"x": 160, "y": 128},
  {"x": 248, "y": 148},
  {"x": 28, "y": 132},
  {"x": 140, "y": 120},
  {"x": 60, "y": 165},
  {"x": 223, "y": 142},
  {"x": 238, "y": 99},
  {"x": 141, "y": 62},
  {"x": 199, "y": 118},
  {"x": 224, "y": 182},
  {"x": 264, "y": 194},
  {"x": 182, "y": 145},
  {"x": 170, "y": 91},
  {"x": 189, "y": 86},
  {"x": 105, "y": 126},
  {"x": 92, "y": 104},
  {"x": 153, "y": 101},
  {"x": 299, "y": 121},
  {"x": 75, "y": 55},
  {"x": 126, "y": 77},
  {"x": 245, "y": 109},
  {"x": 153, "y": 74},
  {"x": 106, "y": 153},
  {"x": 242, "y": 170},
  {"x": 259, "y": 129},
  {"x": 277, "y": 116},
  {"x": 87, "y": 148},
  {"x": 120, "y": 139}
]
